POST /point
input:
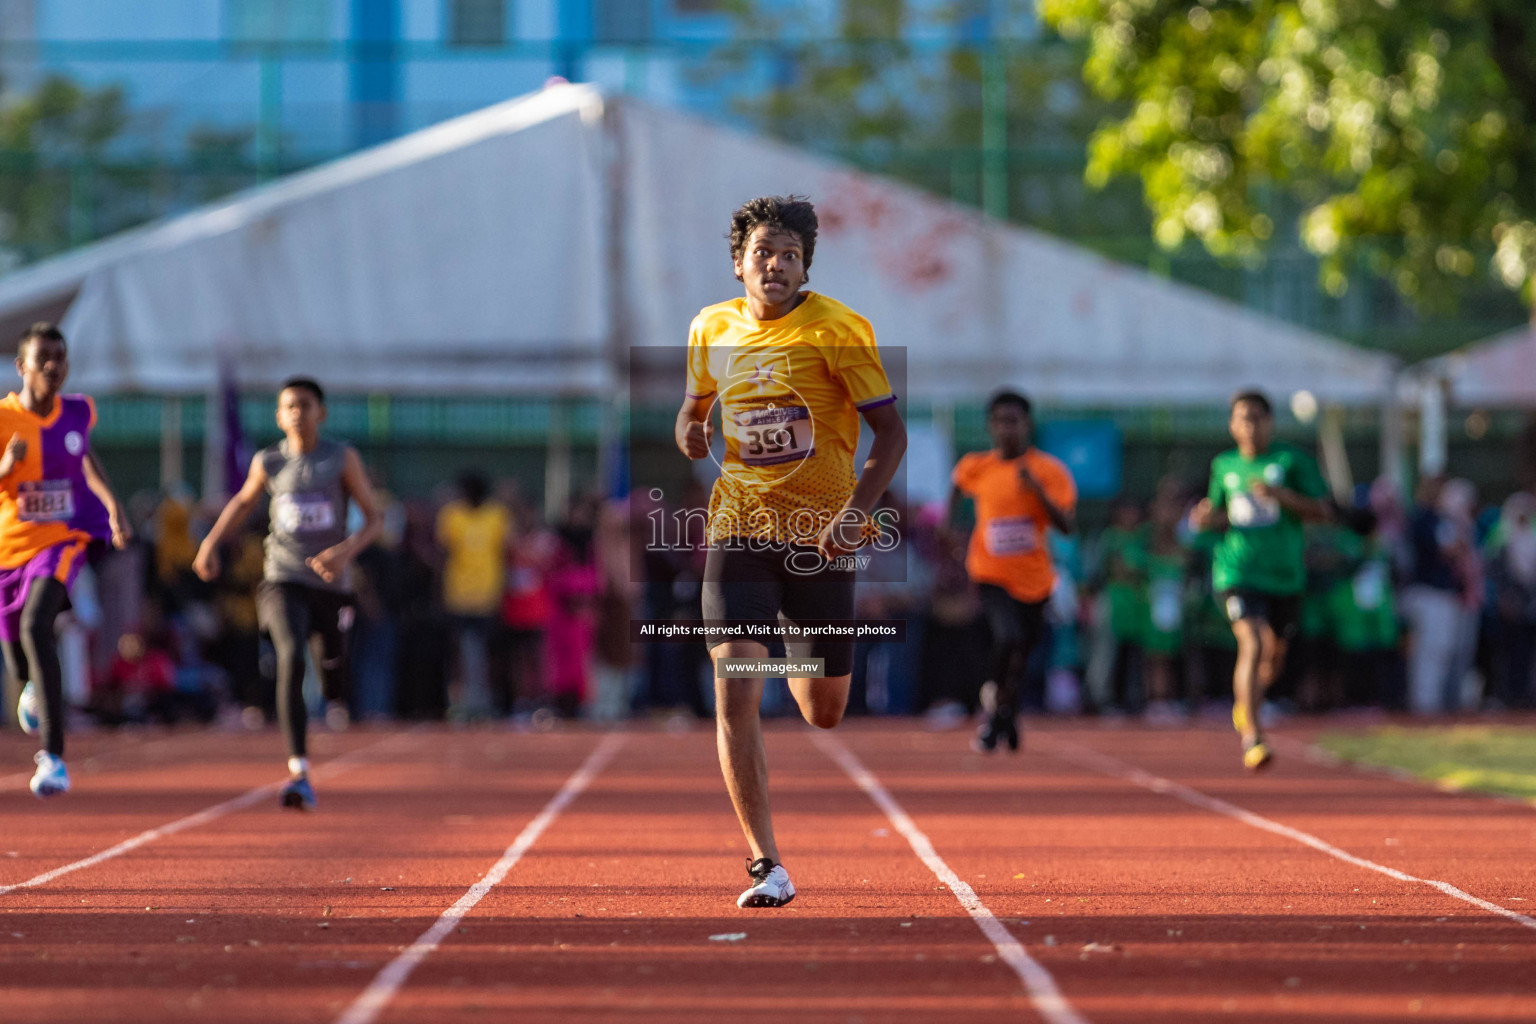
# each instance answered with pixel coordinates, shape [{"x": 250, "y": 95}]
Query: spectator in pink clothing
[{"x": 573, "y": 582}]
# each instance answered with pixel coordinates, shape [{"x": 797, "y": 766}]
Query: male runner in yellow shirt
[{"x": 792, "y": 372}]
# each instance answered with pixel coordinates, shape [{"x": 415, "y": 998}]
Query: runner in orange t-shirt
[{"x": 1019, "y": 492}]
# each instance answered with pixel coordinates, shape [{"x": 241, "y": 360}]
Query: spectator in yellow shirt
[{"x": 473, "y": 532}]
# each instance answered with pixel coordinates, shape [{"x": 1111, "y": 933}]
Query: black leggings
[
  {"x": 35, "y": 655},
  {"x": 1016, "y": 627},
  {"x": 295, "y": 615}
]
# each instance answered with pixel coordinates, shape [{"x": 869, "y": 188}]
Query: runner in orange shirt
[
  {"x": 55, "y": 501},
  {"x": 1019, "y": 492}
]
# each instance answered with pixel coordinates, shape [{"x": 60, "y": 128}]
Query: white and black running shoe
[{"x": 771, "y": 886}]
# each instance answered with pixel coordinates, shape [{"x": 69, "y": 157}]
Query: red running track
[{"x": 1138, "y": 904}]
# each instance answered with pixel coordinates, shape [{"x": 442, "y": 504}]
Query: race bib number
[
  {"x": 1248, "y": 511},
  {"x": 777, "y": 434},
  {"x": 1370, "y": 586},
  {"x": 303, "y": 513},
  {"x": 1012, "y": 535},
  {"x": 1167, "y": 600},
  {"x": 45, "y": 501}
]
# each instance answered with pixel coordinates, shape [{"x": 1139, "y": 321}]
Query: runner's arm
[
  {"x": 1308, "y": 510},
  {"x": 885, "y": 453},
  {"x": 329, "y": 563},
  {"x": 1206, "y": 515},
  {"x": 694, "y": 430},
  {"x": 1210, "y": 512},
  {"x": 15, "y": 452},
  {"x": 96, "y": 480},
  {"x": 354, "y": 476},
  {"x": 1064, "y": 520},
  {"x": 206, "y": 565}
]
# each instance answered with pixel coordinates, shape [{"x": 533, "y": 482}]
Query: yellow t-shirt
[
  {"x": 475, "y": 541},
  {"x": 790, "y": 393}
]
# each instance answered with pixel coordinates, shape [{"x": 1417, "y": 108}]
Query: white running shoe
[
  {"x": 51, "y": 777},
  {"x": 27, "y": 713},
  {"x": 771, "y": 886}
]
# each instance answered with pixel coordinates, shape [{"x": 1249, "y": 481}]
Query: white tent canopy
[
  {"x": 468, "y": 256},
  {"x": 520, "y": 248},
  {"x": 1489, "y": 374},
  {"x": 977, "y": 304}
]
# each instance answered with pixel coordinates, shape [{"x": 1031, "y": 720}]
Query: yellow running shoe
[
  {"x": 1239, "y": 717},
  {"x": 1256, "y": 755}
]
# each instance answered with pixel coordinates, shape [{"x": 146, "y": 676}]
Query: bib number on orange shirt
[
  {"x": 45, "y": 501},
  {"x": 1011, "y": 535},
  {"x": 777, "y": 434}
]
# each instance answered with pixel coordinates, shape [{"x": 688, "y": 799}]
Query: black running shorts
[
  {"x": 1281, "y": 612},
  {"x": 790, "y": 583}
]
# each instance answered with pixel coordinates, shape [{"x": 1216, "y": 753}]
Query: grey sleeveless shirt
[{"x": 309, "y": 511}]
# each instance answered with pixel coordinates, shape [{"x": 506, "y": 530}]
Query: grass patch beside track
[{"x": 1483, "y": 758}]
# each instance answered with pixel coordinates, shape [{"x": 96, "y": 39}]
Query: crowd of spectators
[
  {"x": 1426, "y": 606},
  {"x": 471, "y": 607}
]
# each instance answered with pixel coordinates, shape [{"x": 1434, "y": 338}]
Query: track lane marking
[
  {"x": 337, "y": 766},
  {"x": 1086, "y": 757},
  {"x": 1038, "y": 982},
  {"x": 367, "y": 1006}
]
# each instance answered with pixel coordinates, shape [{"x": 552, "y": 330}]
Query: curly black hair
[{"x": 790, "y": 213}]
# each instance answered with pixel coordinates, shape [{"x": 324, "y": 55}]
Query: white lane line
[
  {"x": 1043, "y": 993},
  {"x": 330, "y": 769},
  {"x": 1085, "y": 757},
  {"x": 366, "y": 1007}
]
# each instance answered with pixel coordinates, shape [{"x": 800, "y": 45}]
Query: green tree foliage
[
  {"x": 44, "y": 137},
  {"x": 1402, "y": 129}
]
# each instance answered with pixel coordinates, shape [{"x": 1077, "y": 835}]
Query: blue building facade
[{"x": 313, "y": 78}]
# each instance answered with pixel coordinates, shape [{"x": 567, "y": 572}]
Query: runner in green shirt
[{"x": 1260, "y": 495}]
